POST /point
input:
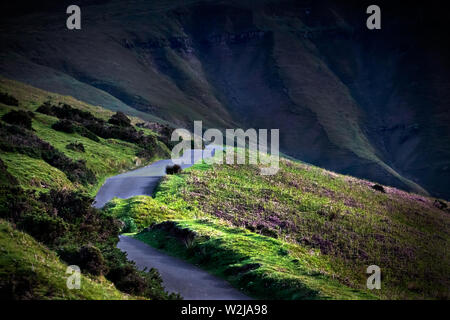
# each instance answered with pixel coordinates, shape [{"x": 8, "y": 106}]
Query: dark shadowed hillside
[{"x": 373, "y": 104}]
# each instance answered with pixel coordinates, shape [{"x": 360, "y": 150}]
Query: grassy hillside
[
  {"x": 105, "y": 157},
  {"x": 37, "y": 273},
  {"x": 304, "y": 226},
  {"x": 55, "y": 153}
]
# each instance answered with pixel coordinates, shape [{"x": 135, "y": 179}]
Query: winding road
[
  {"x": 178, "y": 276},
  {"x": 143, "y": 181}
]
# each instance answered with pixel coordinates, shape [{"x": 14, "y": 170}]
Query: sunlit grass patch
[
  {"x": 35, "y": 173},
  {"x": 263, "y": 267}
]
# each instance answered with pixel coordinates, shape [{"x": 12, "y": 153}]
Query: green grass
[
  {"x": 284, "y": 270},
  {"x": 143, "y": 210},
  {"x": 35, "y": 173},
  {"x": 37, "y": 273},
  {"x": 350, "y": 225},
  {"x": 105, "y": 158}
]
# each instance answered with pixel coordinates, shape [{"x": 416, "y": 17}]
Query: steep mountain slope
[{"x": 368, "y": 103}]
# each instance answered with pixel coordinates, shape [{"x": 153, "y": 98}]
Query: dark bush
[
  {"x": 43, "y": 227},
  {"x": 88, "y": 134},
  {"x": 75, "y": 170},
  {"x": 15, "y": 139},
  {"x": 68, "y": 126},
  {"x": 45, "y": 108},
  {"x": 67, "y": 112},
  {"x": 440, "y": 204},
  {"x": 18, "y": 285},
  {"x": 20, "y": 118},
  {"x": 91, "y": 260},
  {"x": 173, "y": 169},
  {"x": 129, "y": 134},
  {"x": 378, "y": 188},
  {"x": 14, "y": 201},
  {"x": 120, "y": 119},
  {"x": 68, "y": 205},
  {"x": 164, "y": 132},
  {"x": 140, "y": 283},
  {"x": 76, "y": 146},
  {"x": 8, "y": 99}
]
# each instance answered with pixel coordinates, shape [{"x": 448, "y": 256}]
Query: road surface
[
  {"x": 143, "y": 181},
  {"x": 179, "y": 276}
]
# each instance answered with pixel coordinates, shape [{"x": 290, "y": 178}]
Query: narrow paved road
[
  {"x": 179, "y": 276},
  {"x": 143, "y": 181}
]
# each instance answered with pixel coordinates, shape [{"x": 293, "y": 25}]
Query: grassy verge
[
  {"x": 139, "y": 212},
  {"x": 261, "y": 266}
]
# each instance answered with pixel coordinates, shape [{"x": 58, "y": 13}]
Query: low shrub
[
  {"x": 141, "y": 283},
  {"x": 76, "y": 146},
  {"x": 120, "y": 119},
  {"x": 8, "y": 99},
  {"x": 91, "y": 260},
  {"x": 173, "y": 169},
  {"x": 42, "y": 226},
  {"x": 45, "y": 108},
  {"x": 129, "y": 225},
  {"x": 164, "y": 131},
  {"x": 20, "y": 118},
  {"x": 68, "y": 126},
  {"x": 67, "y": 112},
  {"x": 379, "y": 188}
]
